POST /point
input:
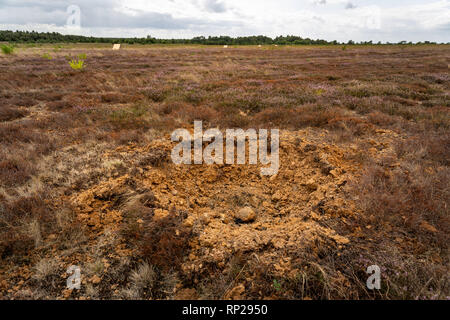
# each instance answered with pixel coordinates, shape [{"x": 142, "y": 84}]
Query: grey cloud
[
  {"x": 215, "y": 6},
  {"x": 350, "y": 6},
  {"x": 445, "y": 27},
  {"x": 109, "y": 18},
  {"x": 99, "y": 14},
  {"x": 99, "y": 17},
  {"x": 319, "y": 19}
]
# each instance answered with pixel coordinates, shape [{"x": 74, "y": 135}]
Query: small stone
[
  {"x": 95, "y": 279},
  {"x": 311, "y": 185},
  {"x": 245, "y": 214},
  {"x": 208, "y": 216},
  {"x": 225, "y": 218},
  {"x": 66, "y": 293},
  {"x": 189, "y": 221},
  {"x": 277, "y": 196}
]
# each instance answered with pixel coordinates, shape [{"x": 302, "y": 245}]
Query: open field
[{"x": 86, "y": 177}]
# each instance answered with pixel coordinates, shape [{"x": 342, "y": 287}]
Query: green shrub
[
  {"x": 77, "y": 64},
  {"x": 47, "y": 56},
  {"x": 276, "y": 285},
  {"x": 6, "y": 49}
]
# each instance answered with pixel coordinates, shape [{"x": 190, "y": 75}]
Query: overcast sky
[{"x": 342, "y": 20}]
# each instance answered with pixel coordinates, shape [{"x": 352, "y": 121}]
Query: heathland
[{"x": 86, "y": 177}]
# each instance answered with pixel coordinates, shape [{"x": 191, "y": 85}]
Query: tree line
[{"x": 55, "y": 37}]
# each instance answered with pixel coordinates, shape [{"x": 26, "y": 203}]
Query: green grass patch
[{"x": 6, "y": 49}]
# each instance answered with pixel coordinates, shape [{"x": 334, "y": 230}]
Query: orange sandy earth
[{"x": 286, "y": 205}]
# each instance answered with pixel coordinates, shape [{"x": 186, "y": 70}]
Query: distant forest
[{"x": 54, "y": 37}]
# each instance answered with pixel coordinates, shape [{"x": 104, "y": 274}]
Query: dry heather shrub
[
  {"x": 408, "y": 193},
  {"x": 312, "y": 277},
  {"x": 114, "y": 97},
  {"x": 167, "y": 284},
  {"x": 155, "y": 94},
  {"x": 8, "y": 113},
  {"x": 24, "y": 221},
  {"x": 190, "y": 113},
  {"x": 46, "y": 280},
  {"x": 274, "y": 116},
  {"x": 133, "y": 117},
  {"x": 15, "y": 171},
  {"x": 407, "y": 276},
  {"x": 64, "y": 217},
  {"x": 128, "y": 136},
  {"x": 299, "y": 117},
  {"x": 240, "y": 99},
  {"x": 51, "y": 95},
  {"x": 216, "y": 282},
  {"x": 438, "y": 148},
  {"x": 61, "y": 121},
  {"x": 25, "y": 133},
  {"x": 59, "y": 105},
  {"x": 233, "y": 120},
  {"x": 430, "y": 146},
  {"x": 156, "y": 157},
  {"x": 359, "y": 90},
  {"x": 12, "y": 133},
  {"x": 407, "y": 200},
  {"x": 170, "y": 107},
  {"x": 165, "y": 241},
  {"x": 22, "y": 101},
  {"x": 196, "y": 96},
  {"x": 45, "y": 268},
  {"x": 382, "y": 119},
  {"x": 350, "y": 126},
  {"x": 91, "y": 291}
]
